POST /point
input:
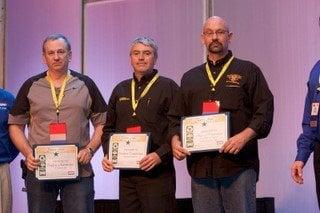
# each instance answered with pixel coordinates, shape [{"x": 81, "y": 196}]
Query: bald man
[{"x": 224, "y": 180}]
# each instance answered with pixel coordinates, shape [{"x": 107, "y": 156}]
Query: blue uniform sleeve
[
  {"x": 309, "y": 136},
  {"x": 8, "y": 151}
]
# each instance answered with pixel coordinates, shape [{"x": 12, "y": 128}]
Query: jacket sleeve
[
  {"x": 165, "y": 151},
  {"x": 308, "y": 137},
  {"x": 177, "y": 110},
  {"x": 262, "y": 104},
  {"x": 110, "y": 123}
]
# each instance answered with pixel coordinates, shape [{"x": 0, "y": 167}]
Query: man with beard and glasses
[{"x": 224, "y": 180}]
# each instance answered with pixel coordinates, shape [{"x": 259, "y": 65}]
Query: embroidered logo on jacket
[
  {"x": 233, "y": 80},
  {"x": 124, "y": 99},
  {"x": 3, "y": 106}
]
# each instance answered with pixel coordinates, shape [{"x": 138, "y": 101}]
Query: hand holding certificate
[
  {"x": 126, "y": 150},
  {"x": 57, "y": 162},
  {"x": 205, "y": 132}
]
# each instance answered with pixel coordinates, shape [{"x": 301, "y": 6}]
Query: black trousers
[
  {"x": 141, "y": 194},
  {"x": 316, "y": 165}
]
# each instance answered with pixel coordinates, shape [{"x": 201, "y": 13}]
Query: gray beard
[{"x": 214, "y": 48}]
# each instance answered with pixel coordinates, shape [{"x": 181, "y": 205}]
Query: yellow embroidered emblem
[
  {"x": 233, "y": 79},
  {"x": 124, "y": 99}
]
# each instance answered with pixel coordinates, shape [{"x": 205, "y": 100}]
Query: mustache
[{"x": 215, "y": 42}]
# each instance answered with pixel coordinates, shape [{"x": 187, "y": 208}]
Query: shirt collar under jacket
[
  {"x": 221, "y": 61},
  {"x": 146, "y": 78}
]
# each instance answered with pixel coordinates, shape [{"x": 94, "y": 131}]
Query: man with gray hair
[
  {"x": 57, "y": 106},
  {"x": 140, "y": 105}
]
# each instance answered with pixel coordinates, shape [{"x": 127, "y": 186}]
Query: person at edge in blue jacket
[
  {"x": 8, "y": 152},
  {"x": 309, "y": 139}
]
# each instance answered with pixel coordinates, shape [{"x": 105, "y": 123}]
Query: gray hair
[
  {"x": 54, "y": 37},
  {"x": 148, "y": 42}
]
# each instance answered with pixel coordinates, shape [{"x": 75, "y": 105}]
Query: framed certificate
[
  {"x": 126, "y": 150},
  {"x": 205, "y": 133},
  {"x": 57, "y": 161}
]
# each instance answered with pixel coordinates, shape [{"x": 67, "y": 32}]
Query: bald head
[
  {"x": 216, "y": 37},
  {"x": 215, "y": 20}
]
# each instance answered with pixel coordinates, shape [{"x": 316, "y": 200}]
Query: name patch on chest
[
  {"x": 233, "y": 80},
  {"x": 124, "y": 99}
]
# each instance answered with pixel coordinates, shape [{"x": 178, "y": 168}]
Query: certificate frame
[
  {"x": 127, "y": 149},
  {"x": 205, "y": 133},
  {"x": 57, "y": 161}
]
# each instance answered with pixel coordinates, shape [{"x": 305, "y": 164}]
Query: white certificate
[
  {"x": 126, "y": 150},
  {"x": 205, "y": 132},
  {"x": 57, "y": 161}
]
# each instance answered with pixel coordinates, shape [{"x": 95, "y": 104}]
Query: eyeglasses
[{"x": 219, "y": 33}]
